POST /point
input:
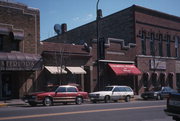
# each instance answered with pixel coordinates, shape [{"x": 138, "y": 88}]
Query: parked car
[
  {"x": 173, "y": 106},
  {"x": 112, "y": 93},
  {"x": 61, "y": 94},
  {"x": 157, "y": 93}
]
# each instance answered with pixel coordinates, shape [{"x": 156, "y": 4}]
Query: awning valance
[
  {"x": 20, "y": 61},
  {"x": 125, "y": 69},
  {"x": 76, "y": 70},
  {"x": 55, "y": 70}
]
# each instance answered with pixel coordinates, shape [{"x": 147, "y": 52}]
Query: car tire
[
  {"x": 32, "y": 104},
  {"x": 107, "y": 99},
  {"x": 79, "y": 100},
  {"x": 127, "y": 99},
  {"x": 94, "y": 101},
  {"x": 158, "y": 97},
  {"x": 47, "y": 101}
]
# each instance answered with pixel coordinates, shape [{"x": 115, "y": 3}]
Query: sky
[{"x": 79, "y": 12}]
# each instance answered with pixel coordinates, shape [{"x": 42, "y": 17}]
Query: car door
[
  {"x": 71, "y": 94},
  {"x": 115, "y": 94},
  {"x": 60, "y": 94},
  {"x": 165, "y": 91},
  {"x": 123, "y": 92}
]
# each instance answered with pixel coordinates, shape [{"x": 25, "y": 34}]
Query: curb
[
  {"x": 11, "y": 104},
  {"x": 3, "y": 105}
]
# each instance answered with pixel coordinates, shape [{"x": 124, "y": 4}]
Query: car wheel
[
  {"x": 94, "y": 101},
  {"x": 47, "y": 101},
  {"x": 127, "y": 99},
  {"x": 158, "y": 97},
  {"x": 32, "y": 104},
  {"x": 107, "y": 99},
  {"x": 79, "y": 100}
]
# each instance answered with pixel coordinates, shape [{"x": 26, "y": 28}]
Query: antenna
[{"x": 57, "y": 29}]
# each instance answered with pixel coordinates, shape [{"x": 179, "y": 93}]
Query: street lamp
[{"x": 99, "y": 15}]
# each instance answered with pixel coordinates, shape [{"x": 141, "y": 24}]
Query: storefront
[
  {"x": 18, "y": 73},
  {"x": 119, "y": 73}
]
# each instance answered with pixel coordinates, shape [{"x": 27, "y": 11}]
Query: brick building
[
  {"x": 19, "y": 53},
  {"x": 137, "y": 36}
]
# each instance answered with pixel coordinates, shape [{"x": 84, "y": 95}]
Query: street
[{"x": 121, "y": 111}]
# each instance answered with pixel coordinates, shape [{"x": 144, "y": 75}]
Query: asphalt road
[{"x": 131, "y": 111}]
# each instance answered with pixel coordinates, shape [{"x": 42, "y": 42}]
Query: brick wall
[{"x": 16, "y": 16}]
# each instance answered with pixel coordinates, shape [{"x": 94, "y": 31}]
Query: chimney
[{"x": 64, "y": 28}]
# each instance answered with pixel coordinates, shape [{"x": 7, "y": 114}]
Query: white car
[{"x": 112, "y": 93}]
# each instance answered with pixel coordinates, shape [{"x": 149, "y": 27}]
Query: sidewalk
[
  {"x": 19, "y": 102},
  {"x": 12, "y": 102}
]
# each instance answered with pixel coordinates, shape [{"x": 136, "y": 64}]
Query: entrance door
[{"x": 6, "y": 86}]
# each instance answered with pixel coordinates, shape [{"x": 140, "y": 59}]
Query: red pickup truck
[{"x": 62, "y": 94}]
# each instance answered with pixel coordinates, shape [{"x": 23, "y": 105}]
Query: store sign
[
  {"x": 19, "y": 65},
  {"x": 158, "y": 64}
]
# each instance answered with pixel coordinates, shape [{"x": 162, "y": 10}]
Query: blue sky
[{"x": 78, "y": 12}]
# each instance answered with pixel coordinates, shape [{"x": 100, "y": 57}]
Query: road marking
[{"x": 78, "y": 112}]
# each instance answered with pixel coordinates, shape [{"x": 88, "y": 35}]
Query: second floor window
[
  {"x": 152, "y": 46},
  {"x": 160, "y": 45},
  {"x": 168, "y": 46},
  {"x": 177, "y": 46},
  {"x": 143, "y": 43}
]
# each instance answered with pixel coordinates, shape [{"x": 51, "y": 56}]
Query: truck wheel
[
  {"x": 47, "y": 101},
  {"x": 106, "y": 99},
  {"x": 79, "y": 100}
]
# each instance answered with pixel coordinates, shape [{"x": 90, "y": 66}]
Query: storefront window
[
  {"x": 154, "y": 79},
  {"x": 162, "y": 79},
  {"x": 1, "y": 42}
]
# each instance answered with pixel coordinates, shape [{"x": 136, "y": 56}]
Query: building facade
[
  {"x": 136, "y": 36},
  {"x": 20, "y": 60}
]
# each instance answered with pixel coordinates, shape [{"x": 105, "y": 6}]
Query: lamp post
[{"x": 98, "y": 13}]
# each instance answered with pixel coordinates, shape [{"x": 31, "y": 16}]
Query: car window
[
  {"x": 61, "y": 89},
  {"x": 128, "y": 89},
  {"x": 122, "y": 89},
  {"x": 116, "y": 89},
  {"x": 71, "y": 89},
  {"x": 108, "y": 88}
]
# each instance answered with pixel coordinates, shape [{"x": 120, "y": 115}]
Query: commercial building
[
  {"x": 141, "y": 49},
  {"x": 20, "y": 60}
]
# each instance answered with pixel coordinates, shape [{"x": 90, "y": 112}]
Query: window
[
  {"x": 177, "y": 46},
  {"x": 143, "y": 43},
  {"x": 61, "y": 89},
  {"x": 122, "y": 89},
  {"x": 168, "y": 46},
  {"x": 152, "y": 48},
  {"x": 116, "y": 89},
  {"x": 71, "y": 89},
  {"x": 128, "y": 89},
  {"x": 160, "y": 45},
  {"x": 1, "y": 42}
]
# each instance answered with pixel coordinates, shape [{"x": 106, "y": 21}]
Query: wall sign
[{"x": 158, "y": 64}]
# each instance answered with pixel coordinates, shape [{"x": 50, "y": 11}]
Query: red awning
[{"x": 125, "y": 69}]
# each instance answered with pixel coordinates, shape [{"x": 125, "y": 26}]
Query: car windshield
[{"x": 108, "y": 89}]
